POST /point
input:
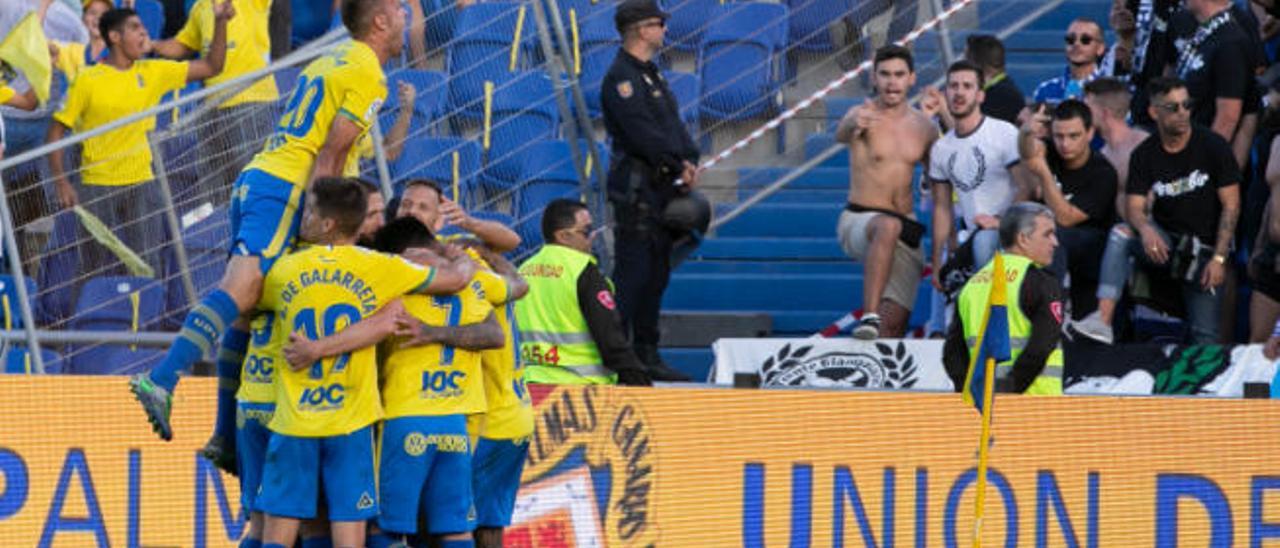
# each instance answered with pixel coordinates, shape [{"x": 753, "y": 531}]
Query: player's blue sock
[
  {"x": 251, "y": 543},
  {"x": 318, "y": 542},
  {"x": 458, "y": 543},
  {"x": 381, "y": 540},
  {"x": 200, "y": 332},
  {"x": 273, "y": 545},
  {"x": 234, "y": 345}
]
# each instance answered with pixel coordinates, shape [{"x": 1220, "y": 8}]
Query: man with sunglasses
[
  {"x": 1084, "y": 48},
  {"x": 652, "y": 150},
  {"x": 1194, "y": 181},
  {"x": 570, "y": 332}
]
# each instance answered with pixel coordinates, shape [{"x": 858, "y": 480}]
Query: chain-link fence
[{"x": 498, "y": 101}]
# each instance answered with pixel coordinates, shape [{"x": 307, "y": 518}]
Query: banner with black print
[
  {"x": 909, "y": 364},
  {"x": 1164, "y": 369},
  {"x": 833, "y": 363}
]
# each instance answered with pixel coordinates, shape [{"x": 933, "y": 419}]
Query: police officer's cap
[{"x": 635, "y": 11}]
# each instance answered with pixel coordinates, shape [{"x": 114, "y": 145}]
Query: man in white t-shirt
[{"x": 974, "y": 160}]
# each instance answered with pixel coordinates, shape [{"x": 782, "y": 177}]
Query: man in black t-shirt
[
  {"x": 1078, "y": 185},
  {"x": 1149, "y": 46},
  {"x": 1195, "y": 182},
  {"x": 1216, "y": 56},
  {"x": 1003, "y": 99}
]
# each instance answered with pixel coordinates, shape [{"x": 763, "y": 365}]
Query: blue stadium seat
[
  {"x": 151, "y": 12},
  {"x": 689, "y": 21},
  {"x": 481, "y": 51},
  {"x": 206, "y": 242},
  {"x": 18, "y": 361},
  {"x": 547, "y": 173},
  {"x": 808, "y": 27},
  {"x": 432, "y": 158},
  {"x": 524, "y": 112},
  {"x": 428, "y": 105},
  {"x": 442, "y": 18},
  {"x": 10, "y": 311},
  {"x": 596, "y": 44},
  {"x": 739, "y": 61},
  {"x": 180, "y": 152},
  {"x": 115, "y": 303},
  {"x": 688, "y": 92},
  {"x": 59, "y": 269}
]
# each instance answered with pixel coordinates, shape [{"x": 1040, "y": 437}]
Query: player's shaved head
[
  {"x": 357, "y": 15},
  {"x": 340, "y": 200},
  {"x": 401, "y": 234}
]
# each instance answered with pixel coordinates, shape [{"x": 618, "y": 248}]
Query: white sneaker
[
  {"x": 868, "y": 328},
  {"x": 1093, "y": 327}
]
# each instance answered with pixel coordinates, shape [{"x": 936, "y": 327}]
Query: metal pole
[
  {"x": 294, "y": 58},
  {"x": 171, "y": 217},
  {"x": 139, "y": 338},
  {"x": 555, "y": 68},
  {"x": 944, "y": 35},
  {"x": 584, "y": 122},
  {"x": 380, "y": 158},
  {"x": 20, "y": 280}
]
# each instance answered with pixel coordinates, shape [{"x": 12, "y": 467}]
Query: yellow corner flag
[
  {"x": 980, "y": 382},
  {"x": 27, "y": 50}
]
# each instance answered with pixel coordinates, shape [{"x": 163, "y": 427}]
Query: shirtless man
[
  {"x": 1108, "y": 99},
  {"x": 887, "y": 139}
]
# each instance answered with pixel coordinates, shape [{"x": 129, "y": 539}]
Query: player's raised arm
[
  {"x": 450, "y": 277},
  {"x": 301, "y": 352},
  {"x": 477, "y": 336},
  {"x": 332, "y": 157},
  {"x": 517, "y": 287}
]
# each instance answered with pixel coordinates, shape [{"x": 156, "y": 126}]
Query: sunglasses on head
[
  {"x": 1084, "y": 39},
  {"x": 1173, "y": 106}
]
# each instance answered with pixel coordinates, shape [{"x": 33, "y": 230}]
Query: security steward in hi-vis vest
[
  {"x": 1035, "y": 316},
  {"x": 569, "y": 329}
]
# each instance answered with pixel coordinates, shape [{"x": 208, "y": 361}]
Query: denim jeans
[{"x": 1202, "y": 306}]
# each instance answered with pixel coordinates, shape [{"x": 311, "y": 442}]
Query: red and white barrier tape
[{"x": 826, "y": 90}]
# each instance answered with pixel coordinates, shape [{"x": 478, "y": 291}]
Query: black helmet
[{"x": 688, "y": 213}]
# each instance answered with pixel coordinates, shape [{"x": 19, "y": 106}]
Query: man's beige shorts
[{"x": 908, "y": 263}]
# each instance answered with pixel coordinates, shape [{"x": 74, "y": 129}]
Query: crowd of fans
[{"x": 1153, "y": 154}]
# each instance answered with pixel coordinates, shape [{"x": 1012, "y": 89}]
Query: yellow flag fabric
[
  {"x": 27, "y": 50},
  {"x": 95, "y": 227}
]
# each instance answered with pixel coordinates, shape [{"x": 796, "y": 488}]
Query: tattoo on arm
[
  {"x": 480, "y": 336},
  {"x": 1226, "y": 229}
]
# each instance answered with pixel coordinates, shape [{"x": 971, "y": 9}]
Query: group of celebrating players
[{"x": 340, "y": 339}]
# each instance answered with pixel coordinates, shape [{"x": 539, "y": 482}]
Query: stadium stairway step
[
  {"x": 698, "y": 328},
  {"x": 771, "y": 248},
  {"x": 820, "y": 178},
  {"x": 787, "y": 220},
  {"x": 781, "y": 268},
  {"x": 762, "y": 291}
]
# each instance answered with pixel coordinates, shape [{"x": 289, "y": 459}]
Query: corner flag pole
[{"x": 984, "y": 443}]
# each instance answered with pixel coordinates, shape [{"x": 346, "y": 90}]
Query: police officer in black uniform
[{"x": 651, "y": 151}]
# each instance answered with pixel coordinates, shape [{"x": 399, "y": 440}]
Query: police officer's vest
[
  {"x": 973, "y": 306},
  {"x": 555, "y": 343}
]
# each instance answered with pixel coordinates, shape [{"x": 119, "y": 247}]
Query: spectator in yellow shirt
[
  {"x": 115, "y": 178},
  {"x": 243, "y": 121}
]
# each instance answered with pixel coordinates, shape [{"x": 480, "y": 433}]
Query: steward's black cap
[{"x": 634, "y": 11}]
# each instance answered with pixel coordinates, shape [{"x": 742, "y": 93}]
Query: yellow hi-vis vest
[
  {"x": 973, "y": 306},
  {"x": 555, "y": 343}
]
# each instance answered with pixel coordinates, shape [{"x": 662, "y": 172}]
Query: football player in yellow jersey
[
  {"x": 503, "y": 444},
  {"x": 334, "y": 103},
  {"x": 320, "y": 431}
]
